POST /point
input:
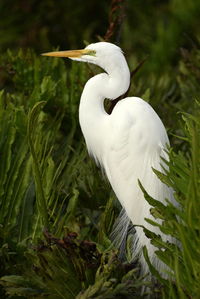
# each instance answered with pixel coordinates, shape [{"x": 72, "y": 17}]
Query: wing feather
[{"x": 138, "y": 140}]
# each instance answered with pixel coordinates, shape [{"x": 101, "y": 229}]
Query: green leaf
[{"x": 41, "y": 200}]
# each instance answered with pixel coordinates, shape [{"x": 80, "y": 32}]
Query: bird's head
[{"x": 98, "y": 53}]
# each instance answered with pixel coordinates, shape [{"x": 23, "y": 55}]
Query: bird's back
[{"x": 137, "y": 140}]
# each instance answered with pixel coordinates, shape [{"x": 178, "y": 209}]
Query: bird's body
[{"x": 126, "y": 143}]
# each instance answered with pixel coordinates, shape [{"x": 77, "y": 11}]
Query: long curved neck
[{"x": 92, "y": 115}]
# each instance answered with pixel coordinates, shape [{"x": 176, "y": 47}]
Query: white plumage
[{"x": 127, "y": 143}]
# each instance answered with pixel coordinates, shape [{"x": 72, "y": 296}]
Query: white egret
[{"x": 127, "y": 143}]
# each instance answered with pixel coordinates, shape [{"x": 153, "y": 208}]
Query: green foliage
[
  {"x": 159, "y": 29},
  {"x": 69, "y": 268},
  {"x": 182, "y": 220},
  {"x": 40, "y": 170},
  {"x": 112, "y": 281},
  {"x": 35, "y": 24},
  {"x": 56, "y": 268},
  {"x": 154, "y": 28}
]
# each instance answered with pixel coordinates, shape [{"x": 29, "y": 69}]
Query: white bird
[{"x": 127, "y": 143}]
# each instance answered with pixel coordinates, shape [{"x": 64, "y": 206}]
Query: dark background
[{"x": 154, "y": 28}]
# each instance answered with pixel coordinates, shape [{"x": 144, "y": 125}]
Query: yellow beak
[{"x": 69, "y": 54}]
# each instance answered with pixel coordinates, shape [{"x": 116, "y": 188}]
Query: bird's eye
[{"x": 90, "y": 52}]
